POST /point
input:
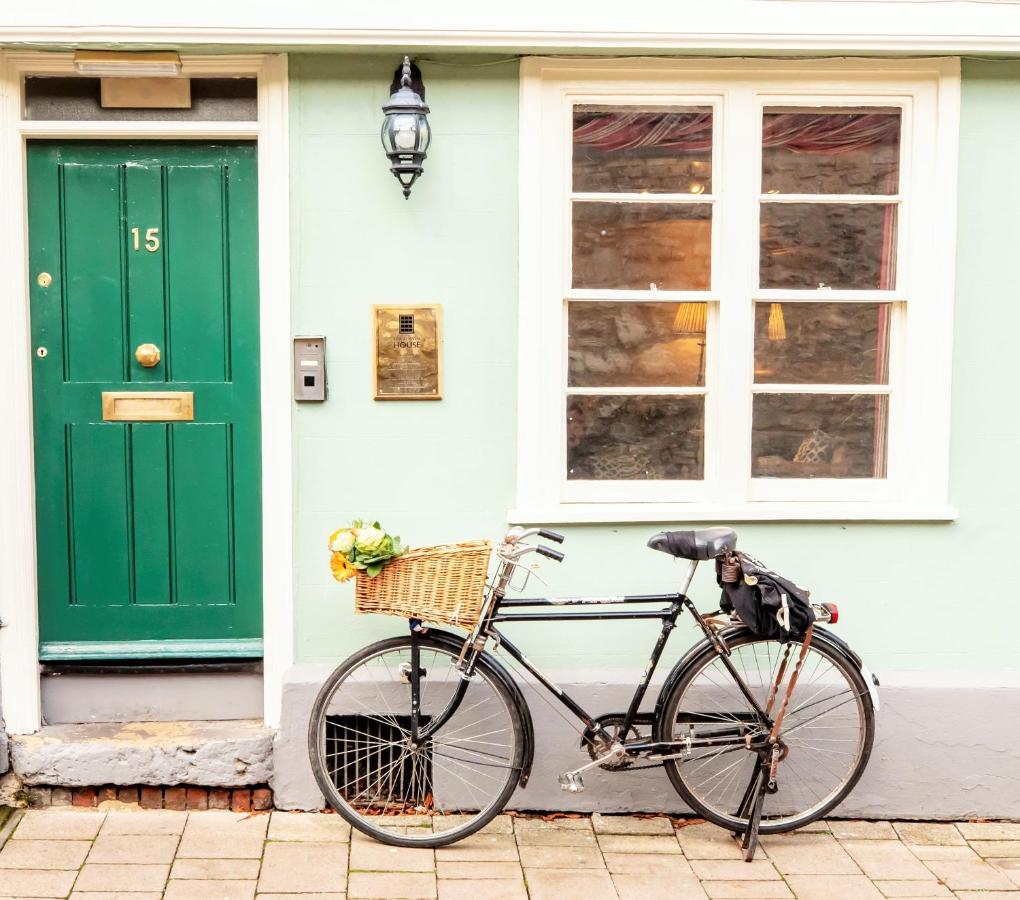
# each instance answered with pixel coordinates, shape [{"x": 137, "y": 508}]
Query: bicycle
[{"x": 420, "y": 740}]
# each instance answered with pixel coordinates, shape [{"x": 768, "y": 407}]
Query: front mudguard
[
  {"x": 455, "y": 643},
  {"x": 822, "y": 634}
]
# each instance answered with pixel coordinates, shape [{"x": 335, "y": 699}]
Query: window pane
[
  {"x": 636, "y": 344},
  {"x": 642, "y": 149},
  {"x": 836, "y": 245},
  {"x": 831, "y": 153},
  {"x": 643, "y": 246},
  {"x": 627, "y": 438},
  {"x": 819, "y": 436},
  {"x": 821, "y": 343}
]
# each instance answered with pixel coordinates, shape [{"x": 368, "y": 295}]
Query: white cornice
[
  {"x": 529, "y": 26},
  {"x": 512, "y": 41}
]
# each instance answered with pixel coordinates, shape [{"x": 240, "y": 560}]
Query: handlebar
[
  {"x": 550, "y": 535},
  {"x": 550, "y": 553}
]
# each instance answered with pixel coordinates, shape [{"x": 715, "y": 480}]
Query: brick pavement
[{"x": 130, "y": 854}]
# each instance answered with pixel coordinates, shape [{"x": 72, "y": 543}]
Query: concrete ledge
[
  {"x": 212, "y": 754},
  {"x": 940, "y": 753}
]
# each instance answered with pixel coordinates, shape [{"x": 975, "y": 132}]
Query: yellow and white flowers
[{"x": 361, "y": 547}]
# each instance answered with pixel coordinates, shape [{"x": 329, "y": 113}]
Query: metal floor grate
[{"x": 363, "y": 756}]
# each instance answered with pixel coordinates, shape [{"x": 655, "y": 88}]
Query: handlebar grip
[
  {"x": 550, "y": 535},
  {"x": 548, "y": 551}
]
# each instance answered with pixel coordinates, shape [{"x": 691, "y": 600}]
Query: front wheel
[
  {"x": 422, "y": 790},
  {"x": 828, "y": 731}
]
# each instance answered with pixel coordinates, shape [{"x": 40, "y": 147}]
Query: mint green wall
[{"x": 909, "y": 593}]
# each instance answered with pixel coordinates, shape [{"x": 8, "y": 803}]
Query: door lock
[{"x": 147, "y": 355}]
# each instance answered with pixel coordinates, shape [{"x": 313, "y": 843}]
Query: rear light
[{"x": 833, "y": 612}]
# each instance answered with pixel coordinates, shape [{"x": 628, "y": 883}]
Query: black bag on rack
[{"x": 770, "y": 605}]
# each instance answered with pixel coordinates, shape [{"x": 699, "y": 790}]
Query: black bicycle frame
[{"x": 551, "y": 610}]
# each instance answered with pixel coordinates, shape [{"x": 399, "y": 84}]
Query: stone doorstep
[{"x": 213, "y": 754}]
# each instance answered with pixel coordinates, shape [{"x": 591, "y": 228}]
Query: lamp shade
[{"x": 406, "y": 134}]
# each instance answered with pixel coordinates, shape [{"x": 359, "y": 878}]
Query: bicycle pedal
[{"x": 572, "y": 782}]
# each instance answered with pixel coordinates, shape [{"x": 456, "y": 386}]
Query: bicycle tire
[
  {"x": 487, "y": 670},
  {"x": 695, "y": 663}
]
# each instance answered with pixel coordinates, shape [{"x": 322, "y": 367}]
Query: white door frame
[{"x": 19, "y": 610}]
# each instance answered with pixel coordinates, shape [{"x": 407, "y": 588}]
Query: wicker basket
[{"x": 444, "y": 584}]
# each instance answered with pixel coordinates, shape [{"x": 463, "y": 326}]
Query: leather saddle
[{"x": 708, "y": 543}]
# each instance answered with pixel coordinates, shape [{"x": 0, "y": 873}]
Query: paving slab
[
  {"x": 210, "y": 890},
  {"x": 218, "y": 834},
  {"x": 927, "y": 889},
  {"x": 1009, "y": 867},
  {"x": 705, "y": 841},
  {"x": 36, "y": 883},
  {"x": 299, "y": 897},
  {"x": 652, "y": 863},
  {"x": 939, "y": 851},
  {"x": 555, "y": 837},
  {"x": 808, "y": 854},
  {"x": 489, "y": 889},
  {"x": 996, "y": 849},
  {"x": 319, "y": 896},
  {"x": 970, "y": 875},
  {"x": 318, "y": 827},
  {"x": 59, "y": 825},
  {"x": 561, "y": 858},
  {"x": 478, "y": 870},
  {"x": 734, "y": 870},
  {"x": 639, "y": 843},
  {"x": 499, "y": 825},
  {"x": 116, "y": 895},
  {"x": 631, "y": 824},
  {"x": 138, "y": 821},
  {"x": 115, "y": 877},
  {"x": 214, "y": 869},
  {"x": 833, "y": 887},
  {"x": 990, "y": 831},
  {"x": 522, "y": 823},
  {"x": 886, "y": 860},
  {"x": 928, "y": 833},
  {"x": 569, "y": 884},
  {"x": 33, "y": 854},
  {"x": 371, "y": 856},
  {"x": 747, "y": 890},
  {"x": 134, "y": 848},
  {"x": 480, "y": 848},
  {"x": 855, "y": 829},
  {"x": 657, "y": 886},
  {"x": 304, "y": 867},
  {"x": 390, "y": 885}
]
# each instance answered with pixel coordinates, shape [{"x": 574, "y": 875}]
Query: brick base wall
[{"x": 245, "y": 799}]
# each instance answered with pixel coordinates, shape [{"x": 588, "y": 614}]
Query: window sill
[{"x": 749, "y": 512}]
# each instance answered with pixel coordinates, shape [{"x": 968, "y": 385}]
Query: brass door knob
[{"x": 147, "y": 355}]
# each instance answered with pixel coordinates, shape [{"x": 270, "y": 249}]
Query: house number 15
[{"x": 151, "y": 239}]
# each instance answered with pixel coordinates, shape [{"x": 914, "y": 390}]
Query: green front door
[{"x": 148, "y": 516}]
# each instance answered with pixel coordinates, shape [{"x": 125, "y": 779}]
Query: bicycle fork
[{"x": 763, "y": 780}]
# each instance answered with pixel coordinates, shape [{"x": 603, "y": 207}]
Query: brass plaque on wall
[
  {"x": 148, "y": 406},
  {"x": 406, "y": 359},
  {"x": 145, "y": 93}
]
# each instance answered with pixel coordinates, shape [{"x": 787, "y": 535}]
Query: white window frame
[{"x": 916, "y": 486}]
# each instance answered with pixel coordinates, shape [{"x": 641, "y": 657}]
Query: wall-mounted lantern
[{"x": 405, "y": 129}]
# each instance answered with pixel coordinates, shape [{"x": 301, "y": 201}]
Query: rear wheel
[
  {"x": 423, "y": 793},
  {"x": 828, "y": 731}
]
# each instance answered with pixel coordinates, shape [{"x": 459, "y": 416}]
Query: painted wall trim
[
  {"x": 805, "y": 26},
  {"x": 19, "y": 640}
]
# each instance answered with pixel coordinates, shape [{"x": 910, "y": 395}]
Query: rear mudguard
[
  {"x": 822, "y": 634},
  {"x": 455, "y": 643}
]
